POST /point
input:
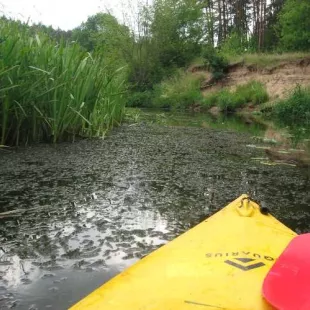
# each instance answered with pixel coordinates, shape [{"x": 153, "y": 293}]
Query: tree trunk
[{"x": 220, "y": 26}]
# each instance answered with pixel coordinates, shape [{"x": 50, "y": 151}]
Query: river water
[{"x": 84, "y": 211}]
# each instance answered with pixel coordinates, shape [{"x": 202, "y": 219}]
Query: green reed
[{"x": 53, "y": 92}]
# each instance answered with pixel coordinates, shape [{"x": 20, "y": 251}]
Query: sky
[{"x": 64, "y": 14}]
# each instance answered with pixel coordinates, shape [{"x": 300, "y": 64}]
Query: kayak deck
[{"x": 219, "y": 264}]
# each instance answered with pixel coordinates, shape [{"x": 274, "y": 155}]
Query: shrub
[
  {"x": 216, "y": 63},
  {"x": 140, "y": 99},
  {"x": 235, "y": 44},
  {"x": 295, "y": 109}
]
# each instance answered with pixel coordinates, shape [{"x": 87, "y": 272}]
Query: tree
[
  {"x": 102, "y": 33},
  {"x": 169, "y": 34},
  {"x": 177, "y": 29},
  {"x": 209, "y": 20},
  {"x": 272, "y": 30},
  {"x": 294, "y": 23}
]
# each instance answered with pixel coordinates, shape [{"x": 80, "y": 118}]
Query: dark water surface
[{"x": 96, "y": 206}]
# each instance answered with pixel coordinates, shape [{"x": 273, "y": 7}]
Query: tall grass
[
  {"x": 180, "y": 91},
  {"x": 50, "y": 92},
  {"x": 251, "y": 93}
]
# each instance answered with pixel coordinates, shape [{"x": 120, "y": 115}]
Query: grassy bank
[
  {"x": 183, "y": 92},
  {"x": 228, "y": 101},
  {"x": 179, "y": 92},
  {"x": 262, "y": 61},
  {"x": 52, "y": 92}
]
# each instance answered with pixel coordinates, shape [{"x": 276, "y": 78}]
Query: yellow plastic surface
[{"x": 219, "y": 264}]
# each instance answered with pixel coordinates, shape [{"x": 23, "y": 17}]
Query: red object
[{"x": 287, "y": 284}]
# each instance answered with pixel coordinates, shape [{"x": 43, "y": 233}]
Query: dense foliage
[
  {"x": 216, "y": 63},
  {"x": 103, "y": 35},
  {"x": 295, "y": 25}
]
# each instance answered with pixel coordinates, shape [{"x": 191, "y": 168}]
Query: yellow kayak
[{"x": 218, "y": 264}]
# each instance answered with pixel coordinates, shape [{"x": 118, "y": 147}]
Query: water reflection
[{"x": 85, "y": 211}]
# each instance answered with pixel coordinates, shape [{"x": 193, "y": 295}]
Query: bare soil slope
[{"x": 279, "y": 80}]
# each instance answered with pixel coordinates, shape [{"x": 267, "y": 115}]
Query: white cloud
[{"x": 65, "y": 14}]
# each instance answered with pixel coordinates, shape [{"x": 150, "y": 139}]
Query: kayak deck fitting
[{"x": 219, "y": 264}]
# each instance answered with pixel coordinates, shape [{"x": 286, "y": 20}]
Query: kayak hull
[{"x": 219, "y": 264}]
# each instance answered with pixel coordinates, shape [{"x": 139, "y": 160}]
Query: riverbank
[{"x": 269, "y": 84}]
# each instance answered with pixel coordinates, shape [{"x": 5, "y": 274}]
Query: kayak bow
[{"x": 219, "y": 264}]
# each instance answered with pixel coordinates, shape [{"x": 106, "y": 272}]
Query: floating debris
[
  {"x": 257, "y": 146},
  {"x": 275, "y": 163},
  {"x": 266, "y": 140}
]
